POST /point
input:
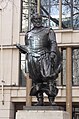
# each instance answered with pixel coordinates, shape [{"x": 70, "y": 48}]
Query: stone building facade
[{"x": 12, "y": 95}]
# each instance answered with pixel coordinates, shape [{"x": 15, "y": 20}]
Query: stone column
[
  {"x": 69, "y": 81},
  {"x": 28, "y": 88},
  {"x": 38, "y": 6}
]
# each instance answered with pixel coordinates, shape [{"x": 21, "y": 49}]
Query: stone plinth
[{"x": 42, "y": 114}]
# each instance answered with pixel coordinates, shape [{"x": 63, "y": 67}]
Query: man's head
[{"x": 36, "y": 19}]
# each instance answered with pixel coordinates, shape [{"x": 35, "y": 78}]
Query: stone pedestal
[{"x": 42, "y": 114}]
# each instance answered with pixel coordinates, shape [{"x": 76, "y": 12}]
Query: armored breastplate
[{"x": 38, "y": 39}]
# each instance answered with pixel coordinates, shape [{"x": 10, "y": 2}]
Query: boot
[
  {"x": 51, "y": 101},
  {"x": 52, "y": 93},
  {"x": 40, "y": 99}
]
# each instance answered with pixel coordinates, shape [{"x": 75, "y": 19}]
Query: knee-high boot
[
  {"x": 39, "y": 99},
  {"x": 52, "y": 92}
]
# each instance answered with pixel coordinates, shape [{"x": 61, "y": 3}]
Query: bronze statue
[{"x": 44, "y": 60}]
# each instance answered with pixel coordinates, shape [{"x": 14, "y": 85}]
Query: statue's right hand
[
  {"x": 22, "y": 48},
  {"x": 17, "y": 45}
]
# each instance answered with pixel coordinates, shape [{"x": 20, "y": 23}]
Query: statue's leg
[
  {"x": 40, "y": 99},
  {"x": 36, "y": 90},
  {"x": 51, "y": 101},
  {"x": 52, "y": 92}
]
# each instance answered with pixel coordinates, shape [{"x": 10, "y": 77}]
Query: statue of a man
[{"x": 44, "y": 62}]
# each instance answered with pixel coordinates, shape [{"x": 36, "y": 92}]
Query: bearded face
[{"x": 37, "y": 20}]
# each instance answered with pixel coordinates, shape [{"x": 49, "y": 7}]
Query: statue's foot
[
  {"x": 39, "y": 104},
  {"x": 51, "y": 101},
  {"x": 39, "y": 99},
  {"x": 52, "y": 104}
]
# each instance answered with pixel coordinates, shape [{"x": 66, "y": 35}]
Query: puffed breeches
[{"x": 41, "y": 68}]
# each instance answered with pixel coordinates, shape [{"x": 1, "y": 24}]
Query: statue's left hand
[{"x": 52, "y": 55}]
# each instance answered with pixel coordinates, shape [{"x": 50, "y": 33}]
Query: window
[
  {"x": 66, "y": 13},
  {"x": 50, "y": 11},
  {"x": 75, "y": 112},
  {"x": 28, "y": 7},
  {"x": 63, "y": 73},
  {"x": 75, "y": 67},
  {"x": 75, "y": 71},
  {"x": 76, "y": 14}
]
